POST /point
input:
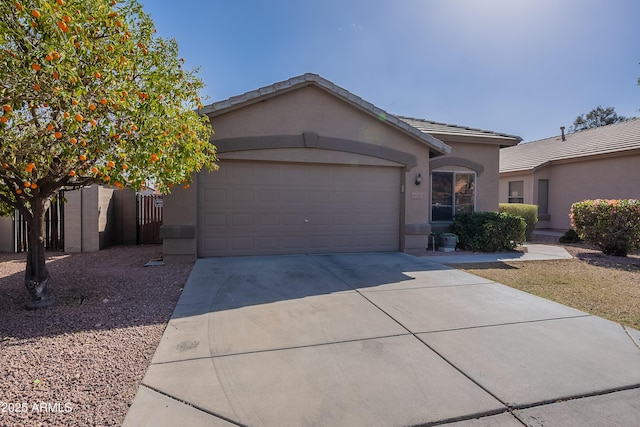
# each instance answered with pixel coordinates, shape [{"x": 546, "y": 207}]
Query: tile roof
[
  {"x": 437, "y": 128},
  {"x": 609, "y": 139},
  {"x": 318, "y": 81}
]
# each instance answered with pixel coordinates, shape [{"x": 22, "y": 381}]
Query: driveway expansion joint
[
  {"x": 574, "y": 397},
  {"x": 220, "y": 356},
  {"x": 493, "y": 325},
  {"x": 191, "y": 405},
  {"x": 467, "y": 418},
  {"x": 626, "y": 331},
  {"x": 467, "y": 376}
]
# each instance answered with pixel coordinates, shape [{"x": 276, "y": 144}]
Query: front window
[
  {"x": 452, "y": 193},
  {"x": 516, "y": 192}
]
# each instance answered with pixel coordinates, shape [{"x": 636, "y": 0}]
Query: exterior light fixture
[{"x": 418, "y": 179}]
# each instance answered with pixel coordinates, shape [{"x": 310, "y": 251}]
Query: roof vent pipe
[{"x": 562, "y": 132}]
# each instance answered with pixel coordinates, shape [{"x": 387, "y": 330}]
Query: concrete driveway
[{"x": 380, "y": 340}]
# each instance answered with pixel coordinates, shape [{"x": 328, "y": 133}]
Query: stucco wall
[
  {"x": 607, "y": 178},
  {"x": 125, "y": 219},
  {"x": 570, "y": 182},
  {"x": 106, "y": 216},
  {"x": 80, "y": 220},
  {"x": 96, "y": 217},
  {"x": 304, "y": 109},
  {"x": 179, "y": 223},
  {"x": 479, "y": 156},
  {"x": 6, "y": 234},
  {"x": 484, "y": 154},
  {"x": 525, "y": 177}
]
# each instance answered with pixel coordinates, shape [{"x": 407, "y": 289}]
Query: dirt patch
[{"x": 81, "y": 361}]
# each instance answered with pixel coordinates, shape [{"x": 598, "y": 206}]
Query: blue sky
[{"x": 524, "y": 67}]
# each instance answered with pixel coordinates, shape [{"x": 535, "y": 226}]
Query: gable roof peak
[{"x": 318, "y": 81}]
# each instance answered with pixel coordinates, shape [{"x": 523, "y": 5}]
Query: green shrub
[
  {"x": 528, "y": 212},
  {"x": 612, "y": 225},
  {"x": 489, "y": 231},
  {"x": 570, "y": 236}
]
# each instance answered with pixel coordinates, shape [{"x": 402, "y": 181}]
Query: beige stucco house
[
  {"x": 308, "y": 167},
  {"x": 553, "y": 173}
]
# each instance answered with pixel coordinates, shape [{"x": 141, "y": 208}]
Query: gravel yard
[{"x": 79, "y": 363}]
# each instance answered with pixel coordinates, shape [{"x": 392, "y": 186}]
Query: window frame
[
  {"x": 454, "y": 175},
  {"x": 511, "y": 198}
]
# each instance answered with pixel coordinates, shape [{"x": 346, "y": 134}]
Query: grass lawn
[{"x": 597, "y": 285}]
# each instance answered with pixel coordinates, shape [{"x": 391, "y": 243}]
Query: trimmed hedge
[
  {"x": 612, "y": 225},
  {"x": 489, "y": 231},
  {"x": 528, "y": 212}
]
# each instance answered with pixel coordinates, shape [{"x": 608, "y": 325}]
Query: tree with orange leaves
[{"x": 89, "y": 94}]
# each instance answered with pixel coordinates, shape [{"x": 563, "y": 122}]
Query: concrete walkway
[
  {"x": 534, "y": 252},
  {"x": 380, "y": 340}
]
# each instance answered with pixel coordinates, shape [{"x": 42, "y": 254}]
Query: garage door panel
[
  {"x": 268, "y": 195},
  {"x": 295, "y": 244},
  {"x": 214, "y": 220},
  {"x": 240, "y": 172},
  {"x": 290, "y": 175},
  {"x": 267, "y": 218},
  {"x": 241, "y": 196},
  {"x": 242, "y": 220},
  {"x": 267, "y": 176},
  {"x": 273, "y": 208},
  {"x": 213, "y": 244},
  {"x": 318, "y": 196},
  {"x": 211, "y": 195},
  {"x": 268, "y": 242},
  {"x": 294, "y": 196}
]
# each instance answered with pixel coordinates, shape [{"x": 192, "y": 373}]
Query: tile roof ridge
[
  {"x": 582, "y": 131},
  {"x": 605, "y": 127}
]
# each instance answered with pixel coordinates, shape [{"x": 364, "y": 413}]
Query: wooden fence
[
  {"x": 54, "y": 227},
  {"x": 149, "y": 209}
]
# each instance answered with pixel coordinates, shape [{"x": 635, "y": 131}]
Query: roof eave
[
  {"x": 464, "y": 132},
  {"x": 574, "y": 159}
]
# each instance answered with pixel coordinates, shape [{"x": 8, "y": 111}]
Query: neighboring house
[
  {"x": 553, "y": 173},
  {"x": 308, "y": 167},
  {"x": 94, "y": 217}
]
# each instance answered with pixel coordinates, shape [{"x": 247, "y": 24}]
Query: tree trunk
[{"x": 36, "y": 275}]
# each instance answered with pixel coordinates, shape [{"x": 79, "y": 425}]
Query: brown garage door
[{"x": 252, "y": 208}]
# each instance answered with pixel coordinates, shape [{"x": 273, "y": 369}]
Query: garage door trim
[{"x": 313, "y": 140}]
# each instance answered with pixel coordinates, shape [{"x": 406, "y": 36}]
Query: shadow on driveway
[{"x": 218, "y": 284}]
